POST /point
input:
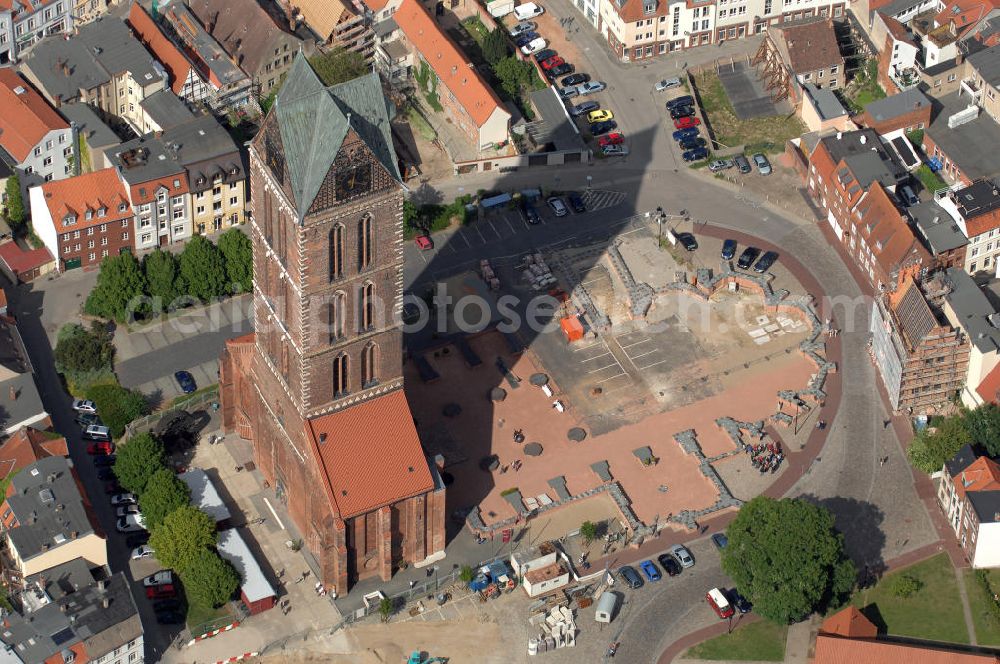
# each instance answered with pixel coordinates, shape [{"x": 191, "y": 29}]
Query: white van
[
  {"x": 534, "y": 46},
  {"x": 527, "y": 10},
  {"x": 96, "y": 432}
]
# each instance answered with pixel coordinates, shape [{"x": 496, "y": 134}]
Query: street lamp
[
  {"x": 436, "y": 568},
  {"x": 659, "y": 225}
]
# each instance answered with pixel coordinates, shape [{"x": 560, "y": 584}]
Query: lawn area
[
  {"x": 419, "y": 125},
  {"x": 201, "y": 619},
  {"x": 933, "y": 613},
  {"x": 864, "y": 88},
  {"x": 474, "y": 26},
  {"x": 929, "y": 179},
  {"x": 757, "y": 134},
  {"x": 986, "y": 623},
  {"x": 762, "y": 641}
]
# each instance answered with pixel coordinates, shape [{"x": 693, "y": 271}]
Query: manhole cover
[{"x": 576, "y": 434}]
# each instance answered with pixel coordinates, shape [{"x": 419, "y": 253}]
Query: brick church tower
[{"x": 318, "y": 387}]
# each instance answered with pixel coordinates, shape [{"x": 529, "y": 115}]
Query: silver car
[
  {"x": 681, "y": 553},
  {"x": 763, "y": 165},
  {"x": 615, "y": 150},
  {"x": 590, "y": 87},
  {"x": 720, "y": 165},
  {"x": 558, "y": 206},
  {"x": 668, "y": 84},
  {"x": 521, "y": 28}
]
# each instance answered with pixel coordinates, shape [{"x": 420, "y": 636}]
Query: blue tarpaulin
[{"x": 495, "y": 201}]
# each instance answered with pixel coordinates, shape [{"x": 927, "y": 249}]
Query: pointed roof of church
[{"x": 314, "y": 120}]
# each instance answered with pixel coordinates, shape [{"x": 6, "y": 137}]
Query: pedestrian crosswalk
[{"x": 600, "y": 199}]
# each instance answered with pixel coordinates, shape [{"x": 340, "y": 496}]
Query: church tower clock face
[{"x": 353, "y": 180}]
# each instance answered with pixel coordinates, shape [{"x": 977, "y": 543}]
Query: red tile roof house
[
  {"x": 850, "y": 176},
  {"x": 185, "y": 80},
  {"x": 32, "y": 133},
  {"x": 83, "y": 219},
  {"x": 969, "y": 496},
  {"x": 467, "y": 99},
  {"x": 24, "y": 265}
]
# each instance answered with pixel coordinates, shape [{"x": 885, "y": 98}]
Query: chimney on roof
[
  {"x": 106, "y": 602},
  {"x": 102, "y": 585},
  {"x": 322, "y": 437}
]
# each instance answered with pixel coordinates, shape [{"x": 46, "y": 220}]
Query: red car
[
  {"x": 719, "y": 603},
  {"x": 616, "y": 138},
  {"x": 686, "y": 123},
  {"x": 160, "y": 592},
  {"x": 554, "y": 61},
  {"x": 424, "y": 242},
  {"x": 101, "y": 447}
]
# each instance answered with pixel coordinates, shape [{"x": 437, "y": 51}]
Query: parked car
[
  {"x": 167, "y": 605},
  {"x": 763, "y": 165},
  {"x": 614, "y": 138},
  {"x": 140, "y": 552},
  {"x": 591, "y": 87},
  {"x": 559, "y": 70},
  {"x": 742, "y": 164},
  {"x": 741, "y": 603},
  {"x": 650, "y": 570},
  {"x": 695, "y": 155},
  {"x": 765, "y": 262},
  {"x": 126, "y": 510},
  {"x": 84, "y": 406},
  {"x": 161, "y": 578},
  {"x": 527, "y": 10},
  {"x": 96, "y": 432},
  {"x": 531, "y": 214},
  {"x": 169, "y": 618},
  {"x": 669, "y": 564},
  {"x": 525, "y": 39},
  {"x": 544, "y": 54},
  {"x": 720, "y": 165},
  {"x": 104, "y": 461},
  {"x": 728, "y": 249},
  {"x": 522, "y": 27},
  {"x": 719, "y": 603},
  {"x": 584, "y": 107},
  {"x": 600, "y": 116},
  {"x": 685, "y": 123},
  {"x": 630, "y": 576},
  {"x": 719, "y": 539},
  {"x": 576, "y": 79},
  {"x": 687, "y": 241},
  {"x": 601, "y": 128},
  {"x": 691, "y": 143},
  {"x": 123, "y": 499},
  {"x": 557, "y": 205},
  {"x": 576, "y": 202},
  {"x": 423, "y": 242},
  {"x": 681, "y": 112},
  {"x": 105, "y": 474},
  {"x": 747, "y": 258},
  {"x": 85, "y": 420},
  {"x": 615, "y": 150},
  {"x": 906, "y": 194},
  {"x": 130, "y": 524},
  {"x": 568, "y": 93},
  {"x": 102, "y": 447},
  {"x": 161, "y": 592},
  {"x": 685, "y": 100},
  {"x": 186, "y": 381},
  {"x": 667, "y": 84},
  {"x": 554, "y": 61},
  {"x": 680, "y": 552},
  {"x": 136, "y": 539},
  {"x": 111, "y": 488},
  {"x": 683, "y": 134},
  {"x": 534, "y": 47}
]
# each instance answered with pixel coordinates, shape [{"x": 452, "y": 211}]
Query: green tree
[
  {"x": 588, "y": 531},
  {"x": 933, "y": 446},
  {"x": 203, "y": 269},
  {"x": 385, "y": 607},
  {"x": 787, "y": 558},
  {"x": 514, "y": 75},
  {"x": 983, "y": 425},
  {"x": 495, "y": 46},
  {"x": 80, "y": 350},
  {"x": 338, "y": 66},
  {"x": 162, "y": 278},
  {"x": 183, "y": 533},
  {"x": 117, "y": 405},
  {"x": 119, "y": 290},
  {"x": 16, "y": 214},
  {"x": 209, "y": 580},
  {"x": 163, "y": 494},
  {"x": 138, "y": 460},
  {"x": 237, "y": 250},
  {"x": 466, "y": 574},
  {"x": 905, "y": 586}
]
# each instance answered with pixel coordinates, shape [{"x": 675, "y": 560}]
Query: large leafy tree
[
  {"x": 138, "y": 460},
  {"x": 237, "y": 249},
  {"x": 15, "y": 203},
  {"x": 181, "y": 536},
  {"x": 203, "y": 269},
  {"x": 787, "y": 558},
  {"x": 163, "y": 494},
  {"x": 80, "y": 350},
  {"x": 983, "y": 425},
  {"x": 495, "y": 46},
  {"x": 209, "y": 579},
  {"x": 514, "y": 75},
  {"x": 117, "y": 405},
  {"x": 162, "y": 276},
  {"x": 339, "y": 65},
  {"x": 932, "y": 447},
  {"x": 119, "y": 290}
]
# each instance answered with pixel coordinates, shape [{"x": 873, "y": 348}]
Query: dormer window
[
  {"x": 649, "y": 7},
  {"x": 235, "y": 171},
  {"x": 69, "y": 220},
  {"x": 101, "y": 211},
  {"x": 88, "y": 215},
  {"x": 122, "y": 207},
  {"x": 200, "y": 180}
]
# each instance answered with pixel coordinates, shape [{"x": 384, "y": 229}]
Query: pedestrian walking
[
  {"x": 881, "y": 462},
  {"x": 886, "y": 423}
]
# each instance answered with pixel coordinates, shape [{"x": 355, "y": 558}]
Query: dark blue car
[
  {"x": 692, "y": 143},
  {"x": 728, "y": 251},
  {"x": 576, "y": 202},
  {"x": 526, "y": 38},
  {"x": 650, "y": 570},
  {"x": 695, "y": 155},
  {"x": 684, "y": 134},
  {"x": 186, "y": 382},
  {"x": 601, "y": 128}
]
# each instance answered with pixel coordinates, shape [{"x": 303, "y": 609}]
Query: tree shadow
[{"x": 860, "y": 522}]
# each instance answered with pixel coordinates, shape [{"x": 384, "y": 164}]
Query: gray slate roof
[
  {"x": 973, "y": 309},
  {"x": 166, "y": 109},
  {"x": 898, "y": 104},
  {"x": 986, "y": 505},
  {"x": 962, "y": 460},
  {"x": 972, "y": 146},
  {"x": 28, "y": 406},
  {"x": 101, "y": 49},
  {"x": 987, "y": 63},
  {"x": 825, "y": 101},
  {"x": 48, "y": 507},
  {"x": 314, "y": 120},
  {"x": 939, "y": 230},
  {"x": 89, "y": 124}
]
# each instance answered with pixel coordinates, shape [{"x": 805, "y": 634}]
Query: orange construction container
[{"x": 572, "y": 328}]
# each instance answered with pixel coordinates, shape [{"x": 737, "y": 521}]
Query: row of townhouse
[
  {"x": 640, "y": 29},
  {"x": 161, "y": 189},
  {"x": 969, "y": 495}
]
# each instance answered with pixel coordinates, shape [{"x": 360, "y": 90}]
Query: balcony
[
  {"x": 905, "y": 78},
  {"x": 968, "y": 86}
]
